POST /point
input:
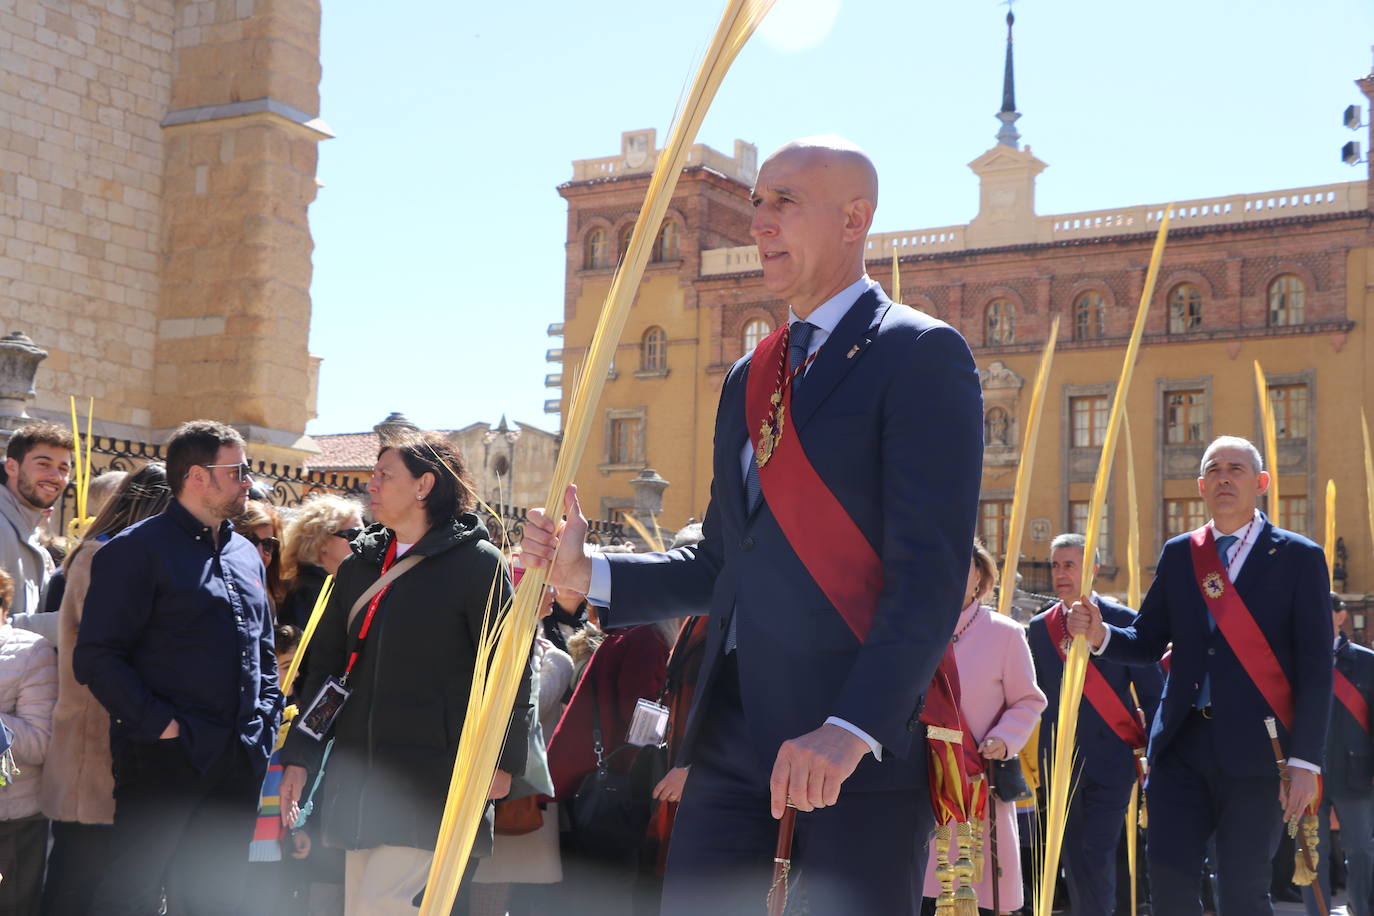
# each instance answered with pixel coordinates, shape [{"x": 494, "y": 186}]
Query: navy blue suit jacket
[
  {"x": 1105, "y": 757},
  {"x": 890, "y": 415},
  {"x": 1349, "y": 749},
  {"x": 1284, "y": 584}
]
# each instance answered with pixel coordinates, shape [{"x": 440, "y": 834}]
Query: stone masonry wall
[{"x": 83, "y": 88}]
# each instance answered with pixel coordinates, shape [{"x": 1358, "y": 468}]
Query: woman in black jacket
[{"x": 396, "y": 736}]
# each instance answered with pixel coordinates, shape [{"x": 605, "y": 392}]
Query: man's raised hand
[
  {"x": 1085, "y": 619},
  {"x": 558, "y": 545}
]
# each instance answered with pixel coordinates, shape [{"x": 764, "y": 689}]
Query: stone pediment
[
  {"x": 999, "y": 376},
  {"x": 1004, "y": 158}
]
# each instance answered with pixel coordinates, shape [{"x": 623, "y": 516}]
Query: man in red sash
[
  {"x": 1349, "y": 769},
  {"x": 1111, "y": 733},
  {"x": 1245, "y": 605},
  {"x": 848, "y": 452}
]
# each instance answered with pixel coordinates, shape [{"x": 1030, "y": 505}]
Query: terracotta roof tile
[{"x": 344, "y": 452}]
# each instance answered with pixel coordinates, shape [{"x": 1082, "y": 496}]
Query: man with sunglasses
[{"x": 176, "y": 643}]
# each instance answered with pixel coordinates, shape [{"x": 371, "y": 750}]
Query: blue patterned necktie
[
  {"x": 799, "y": 343},
  {"x": 1224, "y": 544}
]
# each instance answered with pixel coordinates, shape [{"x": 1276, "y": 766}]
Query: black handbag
[
  {"x": 1008, "y": 780},
  {"x": 611, "y": 810}
]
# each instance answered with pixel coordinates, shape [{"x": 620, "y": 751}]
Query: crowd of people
[
  {"x": 151, "y": 772},
  {"x": 194, "y": 720}
]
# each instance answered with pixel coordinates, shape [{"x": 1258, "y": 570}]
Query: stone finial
[
  {"x": 648, "y": 487},
  {"x": 19, "y": 359},
  {"x": 393, "y": 426}
]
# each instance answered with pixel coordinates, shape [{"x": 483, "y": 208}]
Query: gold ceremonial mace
[
  {"x": 782, "y": 862},
  {"x": 1308, "y": 858}
]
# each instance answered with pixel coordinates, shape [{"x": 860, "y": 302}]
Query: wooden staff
[
  {"x": 992, "y": 837},
  {"x": 782, "y": 862},
  {"x": 1300, "y": 837}
]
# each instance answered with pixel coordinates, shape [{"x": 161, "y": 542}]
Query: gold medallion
[
  {"x": 770, "y": 431},
  {"x": 1213, "y": 586}
]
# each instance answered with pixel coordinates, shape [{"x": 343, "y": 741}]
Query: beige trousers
[{"x": 384, "y": 880}]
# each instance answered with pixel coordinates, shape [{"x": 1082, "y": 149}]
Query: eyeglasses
[
  {"x": 268, "y": 544},
  {"x": 242, "y": 471}
]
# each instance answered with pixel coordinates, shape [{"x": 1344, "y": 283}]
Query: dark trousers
[
  {"x": 76, "y": 864},
  {"x": 23, "y": 847},
  {"x": 865, "y": 854},
  {"x": 181, "y": 829},
  {"x": 1092, "y": 834},
  {"x": 1191, "y": 795}
]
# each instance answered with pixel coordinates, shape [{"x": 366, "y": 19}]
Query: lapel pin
[
  {"x": 1273, "y": 550},
  {"x": 852, "y": 350}
]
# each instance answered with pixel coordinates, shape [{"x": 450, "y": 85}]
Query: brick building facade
[{"x": 1283, "y": 277}]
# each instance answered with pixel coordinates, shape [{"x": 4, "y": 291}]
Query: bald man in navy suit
[{"x": 815, "y": 668}]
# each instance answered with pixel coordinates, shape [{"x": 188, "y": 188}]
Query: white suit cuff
[
  {"x": 599, "y": 592},
  {"x": 859, "y": 733}
]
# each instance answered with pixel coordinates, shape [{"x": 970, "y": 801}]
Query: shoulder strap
[{"x": 391, "y": 575}]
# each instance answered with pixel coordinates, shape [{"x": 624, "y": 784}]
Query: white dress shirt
[{"x": 825, "y": 318}]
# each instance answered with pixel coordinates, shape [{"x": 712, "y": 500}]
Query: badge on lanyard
[
  {"x": 324, "y": 709},
  {"x": 649, "y": 726}
]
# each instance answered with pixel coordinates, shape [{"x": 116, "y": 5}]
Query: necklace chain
[{"x": 964, "y": 629}]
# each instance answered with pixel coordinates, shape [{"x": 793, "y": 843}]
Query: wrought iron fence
[
  {"x": 284, "y": 485},
  {"x": 507, "y": 527}
]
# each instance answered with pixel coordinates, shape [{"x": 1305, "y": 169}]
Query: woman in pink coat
[{"x": 1001, "y": 704}]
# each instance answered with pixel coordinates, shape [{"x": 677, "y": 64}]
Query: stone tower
[
  {"x": 240, "y": 154},
  {"x": 156, "y": 166}
]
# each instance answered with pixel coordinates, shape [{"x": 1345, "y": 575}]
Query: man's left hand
[
  {"x": 1297, "y": 792},
  {"x": 810, "y": 770}
]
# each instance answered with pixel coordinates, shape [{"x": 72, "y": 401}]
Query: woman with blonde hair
[
  {"x": 1001, "y": 704},
  {"x": 315, "y": 543}
]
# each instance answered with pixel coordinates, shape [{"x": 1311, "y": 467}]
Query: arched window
[
  {"x": 1089, "y": 317},
  {"x": 596, "y": 251},
  {"x": 754, "y": 333},
  {"x": 1287, "y": 297},
  {"x": 653, "y": 351},
  {"x": 1185, "y": 309},
  {"x": 624, "y": 242},
  {"x": 1001, "y": 325},
  {"x": 665, "y": 246}
]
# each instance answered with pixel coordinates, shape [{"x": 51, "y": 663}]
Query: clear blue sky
[{"x": 439, "y": 236}]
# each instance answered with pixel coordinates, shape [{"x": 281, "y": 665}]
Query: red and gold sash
[
  {"x": 844, "y": 564},
  {"x": 1122, "y": 720},
  {"x": 1238, "y": 627},
  {"x": 1351, "y": 699},
  {"x": 820, "y": 531}
]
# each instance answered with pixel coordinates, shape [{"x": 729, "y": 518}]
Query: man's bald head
[
  {"x": 813, "y": 206},
  {"x": 853, "y": 172}
]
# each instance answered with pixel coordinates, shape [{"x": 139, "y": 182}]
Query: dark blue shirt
[{"x": 175, "y": 626}]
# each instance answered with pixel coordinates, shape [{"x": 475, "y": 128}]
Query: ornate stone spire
[{"x": 1008, "y": 135}]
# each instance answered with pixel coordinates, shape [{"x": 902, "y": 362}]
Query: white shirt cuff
[
  {"x": 859, "y": 733},
  {"x": 599, "y": 592},
  {"x": 1303, "y": 765},
  {"x": 1098, "y": 651}
]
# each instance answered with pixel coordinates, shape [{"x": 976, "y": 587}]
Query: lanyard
[{"x": 371, "y": 611}]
